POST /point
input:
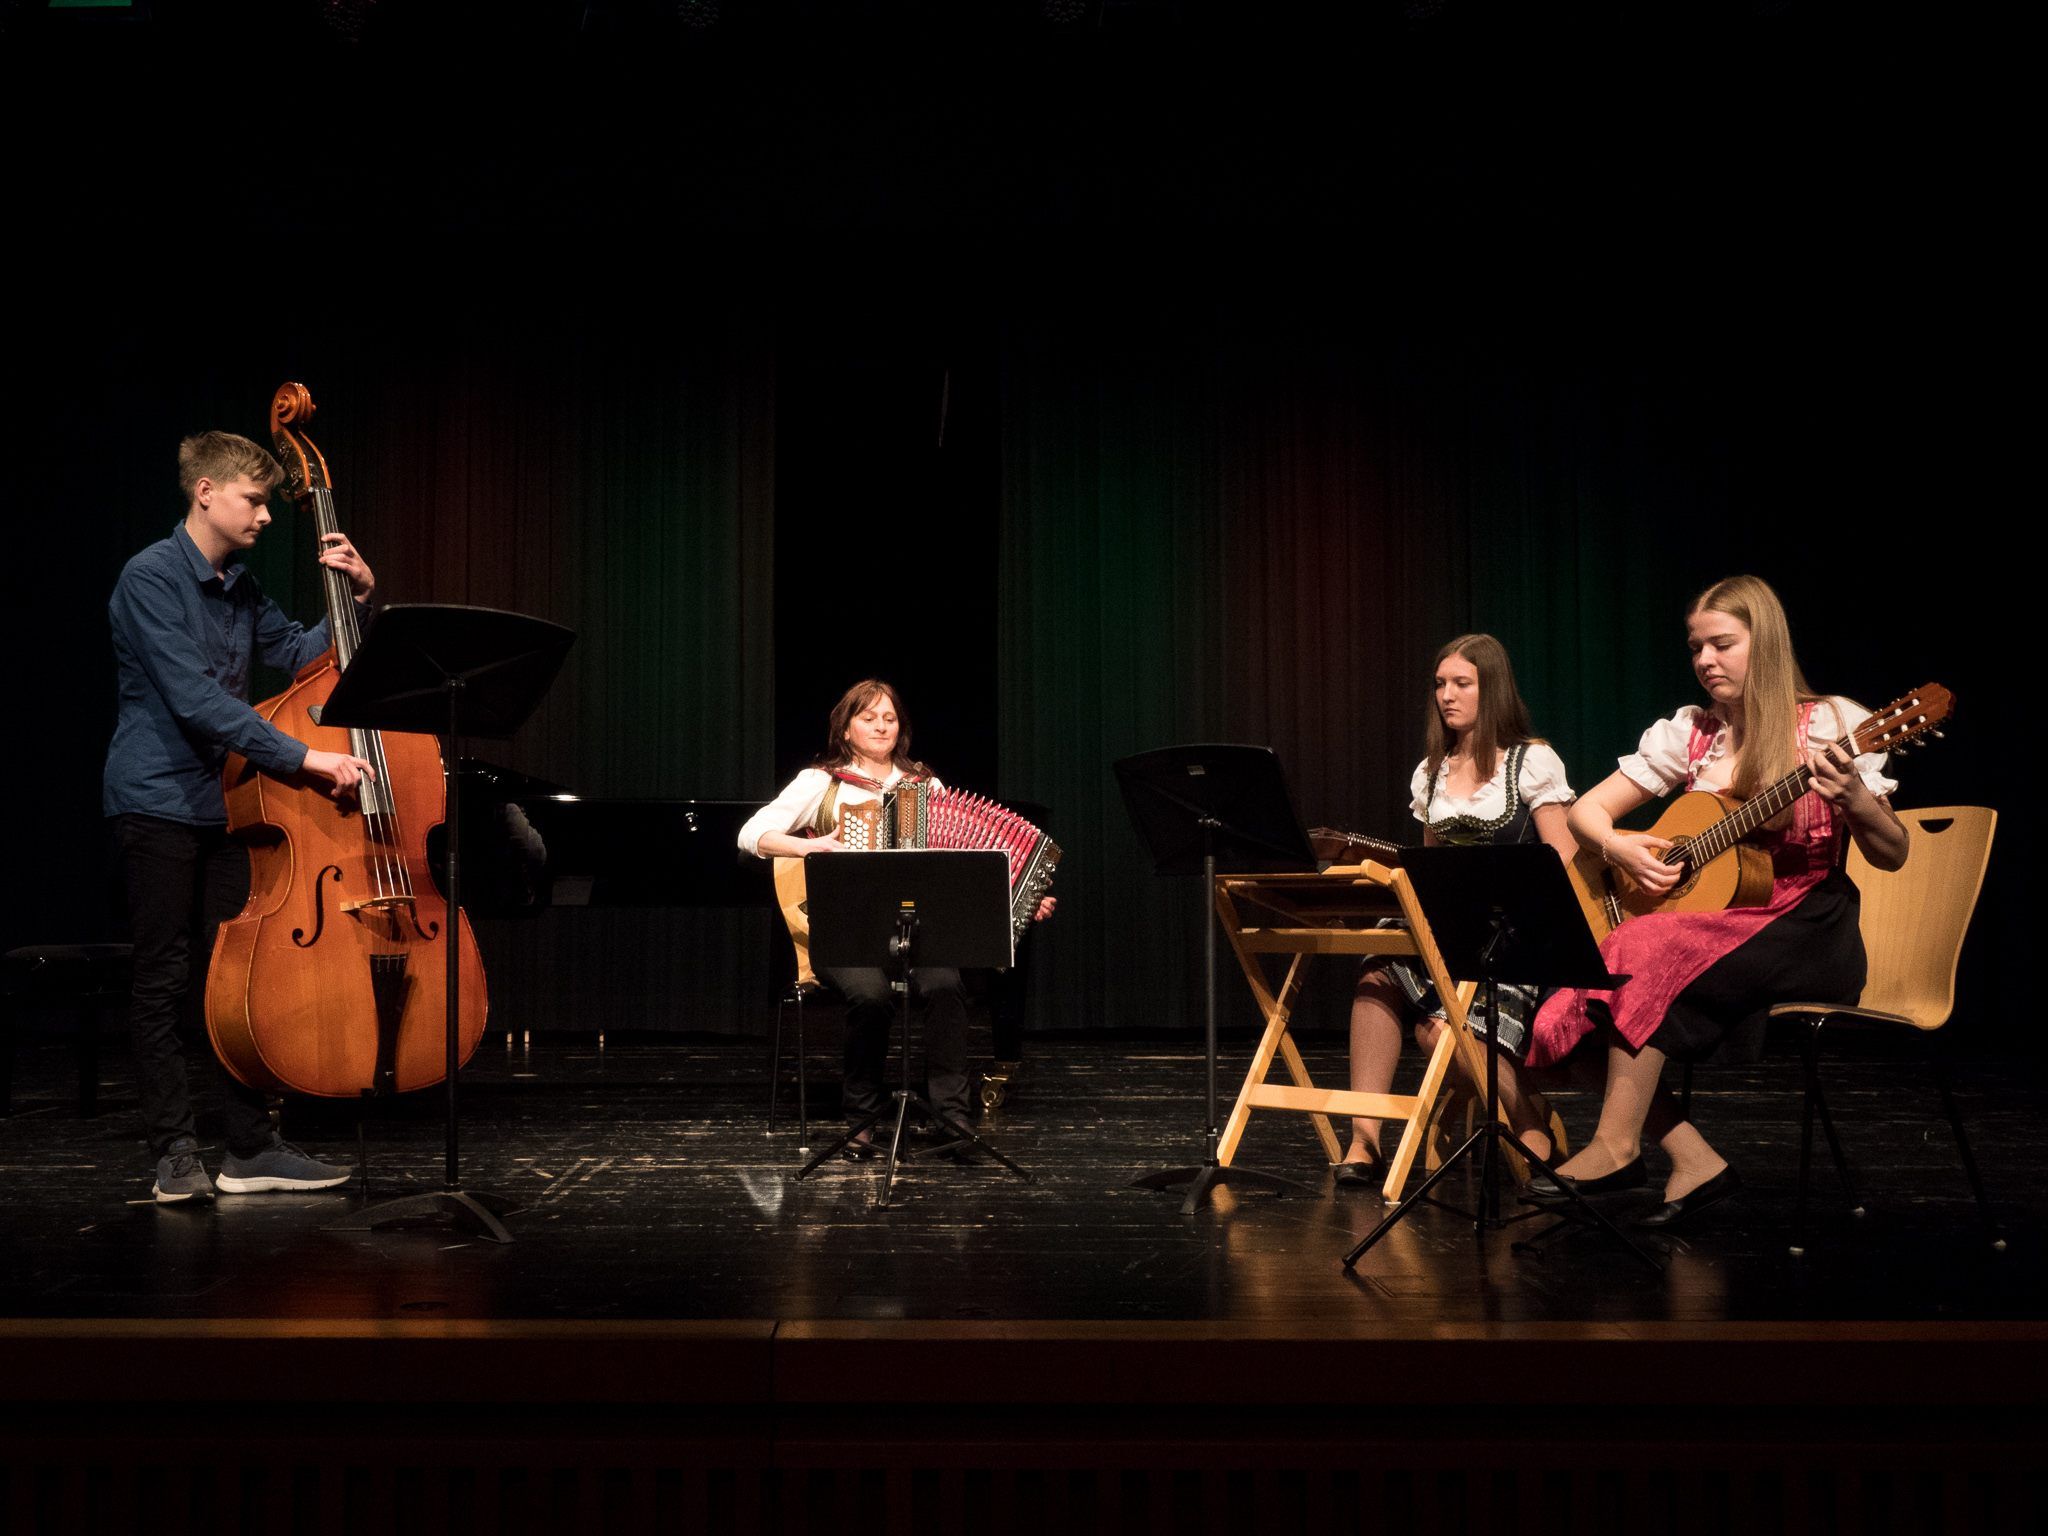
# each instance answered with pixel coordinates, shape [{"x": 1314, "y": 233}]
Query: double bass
[{"x": 332, "y": 980}]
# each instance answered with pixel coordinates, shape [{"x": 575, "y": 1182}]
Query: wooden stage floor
[
  {"x": 678, "y": 1321},
  {"x": 651, "y": 1191}
]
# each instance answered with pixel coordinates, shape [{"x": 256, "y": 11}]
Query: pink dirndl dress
[{"x": 1695, "y": 977}]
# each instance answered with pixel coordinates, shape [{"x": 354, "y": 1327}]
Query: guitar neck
[{"x": 1753, "y": 813}]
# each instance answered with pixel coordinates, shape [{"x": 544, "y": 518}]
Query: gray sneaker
[
  {"x": 180, "y": 1175},
  {"x": 278, "y": 1166}
]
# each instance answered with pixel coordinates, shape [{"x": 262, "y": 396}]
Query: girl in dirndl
[
  {"x": 1484, "y": 778},
  {"x": 1701, "y": 984}
]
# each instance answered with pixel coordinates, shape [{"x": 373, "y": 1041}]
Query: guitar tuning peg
[{"x": 1941, "y": 735}]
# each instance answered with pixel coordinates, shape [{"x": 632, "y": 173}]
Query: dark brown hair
[
  {"x": 1503, "y": 718},
  {"x": 838, "y": 754}
]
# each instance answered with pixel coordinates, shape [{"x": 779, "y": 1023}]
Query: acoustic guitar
[{"x": 1706, "y": 830}]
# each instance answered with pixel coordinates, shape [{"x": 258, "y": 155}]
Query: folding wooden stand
[{"x": 1333, "y": 913}]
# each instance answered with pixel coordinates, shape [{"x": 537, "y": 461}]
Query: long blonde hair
[{"x": 1774, "y": 688}]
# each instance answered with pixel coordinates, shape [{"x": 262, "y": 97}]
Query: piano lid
[{"x": 529, "y": 844}]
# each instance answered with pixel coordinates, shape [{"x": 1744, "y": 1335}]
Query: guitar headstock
[
  {"x": 305, "y": 467},
  {"x": 1906, "y": 719}
]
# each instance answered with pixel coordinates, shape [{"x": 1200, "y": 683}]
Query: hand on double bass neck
[
  {"x": 338, "y": 554},
  {"x": 342, "y": 772}
]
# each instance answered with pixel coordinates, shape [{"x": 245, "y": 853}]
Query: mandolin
[
  {"x": 1333, "y": 847},
  {"x": 1706, "y": 829}
]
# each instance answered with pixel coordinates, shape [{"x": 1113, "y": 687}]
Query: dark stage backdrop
[
  {"x": 1162, "y": 513},
  {"x": 1265, "y": 370},
  {"x": 606, "y": 460},
  {"x": 1253, "y": 519}
]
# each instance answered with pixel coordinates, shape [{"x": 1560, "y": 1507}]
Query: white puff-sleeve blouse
[
  {"x": 1660, "y": 763},
  {"x": 1542, "y": 783}
]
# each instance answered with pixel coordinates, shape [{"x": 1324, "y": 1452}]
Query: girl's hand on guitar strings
[
  {"x": 1638, "y": 855},
  {"x": 823, "y": 845}
]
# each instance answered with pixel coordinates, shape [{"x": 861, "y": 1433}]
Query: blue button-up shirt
[{"x": 183, "y": 637}]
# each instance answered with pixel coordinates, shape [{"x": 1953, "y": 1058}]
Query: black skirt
[{"x": 1813, "y": 954}]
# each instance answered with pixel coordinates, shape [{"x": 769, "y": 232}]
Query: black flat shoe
[
  {"x": 1544, "y": 1190},
  {"x": 1672, "y": 1212},
  {"x": 860, "y": 1150},
  {"x": 1355, "y": 1176}
]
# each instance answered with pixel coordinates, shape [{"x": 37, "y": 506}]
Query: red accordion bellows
[{"x": 918, "y": 815}]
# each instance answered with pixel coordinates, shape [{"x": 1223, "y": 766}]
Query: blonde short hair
[{"x": 221, "y": 456}]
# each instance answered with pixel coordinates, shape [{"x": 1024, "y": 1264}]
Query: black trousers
[
  {"x": 182, "y": 883},
  {"x": 871, "y": 1015}
]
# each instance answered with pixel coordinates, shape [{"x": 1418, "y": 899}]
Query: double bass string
[{"x": 387, "y": 870}]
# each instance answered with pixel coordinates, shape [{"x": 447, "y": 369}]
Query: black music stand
[
  {"x": 896, "y": 908},
  {"x": 449, "y": 671},
  {"x": 1501, "y": 912},
  {"x": 1195, "y": 807}
]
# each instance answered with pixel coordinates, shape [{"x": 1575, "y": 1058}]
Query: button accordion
[{"x": 920, "y": 814}]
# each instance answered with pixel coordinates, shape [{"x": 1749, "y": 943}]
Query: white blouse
[
  {"x": 1542, "y": 783},
  {"x": 796, "y": 808},
  {"x": 1659, "y": 762}
]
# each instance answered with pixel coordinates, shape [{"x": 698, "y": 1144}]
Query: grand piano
[{"x": 530, "y": 846}]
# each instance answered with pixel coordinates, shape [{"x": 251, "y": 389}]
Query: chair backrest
[{"x": 1914, "y": 918}]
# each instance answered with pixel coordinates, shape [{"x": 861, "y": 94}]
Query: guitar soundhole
[{"x": 1688, "y": 874}]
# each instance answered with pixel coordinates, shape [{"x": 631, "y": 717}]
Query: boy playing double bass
[{"x": 187, "y": 620}]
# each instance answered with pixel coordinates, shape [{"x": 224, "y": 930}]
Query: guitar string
[{"x": 1731, "y": 829}]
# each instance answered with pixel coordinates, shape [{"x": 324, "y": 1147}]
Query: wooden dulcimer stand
[{"x": 1335, "y": 913}]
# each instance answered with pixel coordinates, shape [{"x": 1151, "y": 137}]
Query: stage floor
[
  {"x": 680, "y": 1338},
  {"x": 651, "y": 1190}
]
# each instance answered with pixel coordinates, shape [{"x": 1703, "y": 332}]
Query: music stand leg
[
  {"x": 472, "y": 1209},
  {"x": 1487, "y": 1217},
  {"x": 475, "y": 1209},
  {"x": 905, "y": 1097},
  {"x": 1212, "y": 1172},
  {"x": 866, "y": 1123},
  {"x": 962, "y": 1129}
]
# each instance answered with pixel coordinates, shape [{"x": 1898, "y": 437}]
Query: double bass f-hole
[{"x": 331, "y": 872}]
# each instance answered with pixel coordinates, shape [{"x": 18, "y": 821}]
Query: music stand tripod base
[
  {"x": 1191, "y": 805},
  {"x": 867, "y": 907},
  {"x": 474, "y": 1210},
  {"x": 1495, "y": 909},
  {"x": 452, "y": 671},
  {"x": 1200, "y": 1181}
]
